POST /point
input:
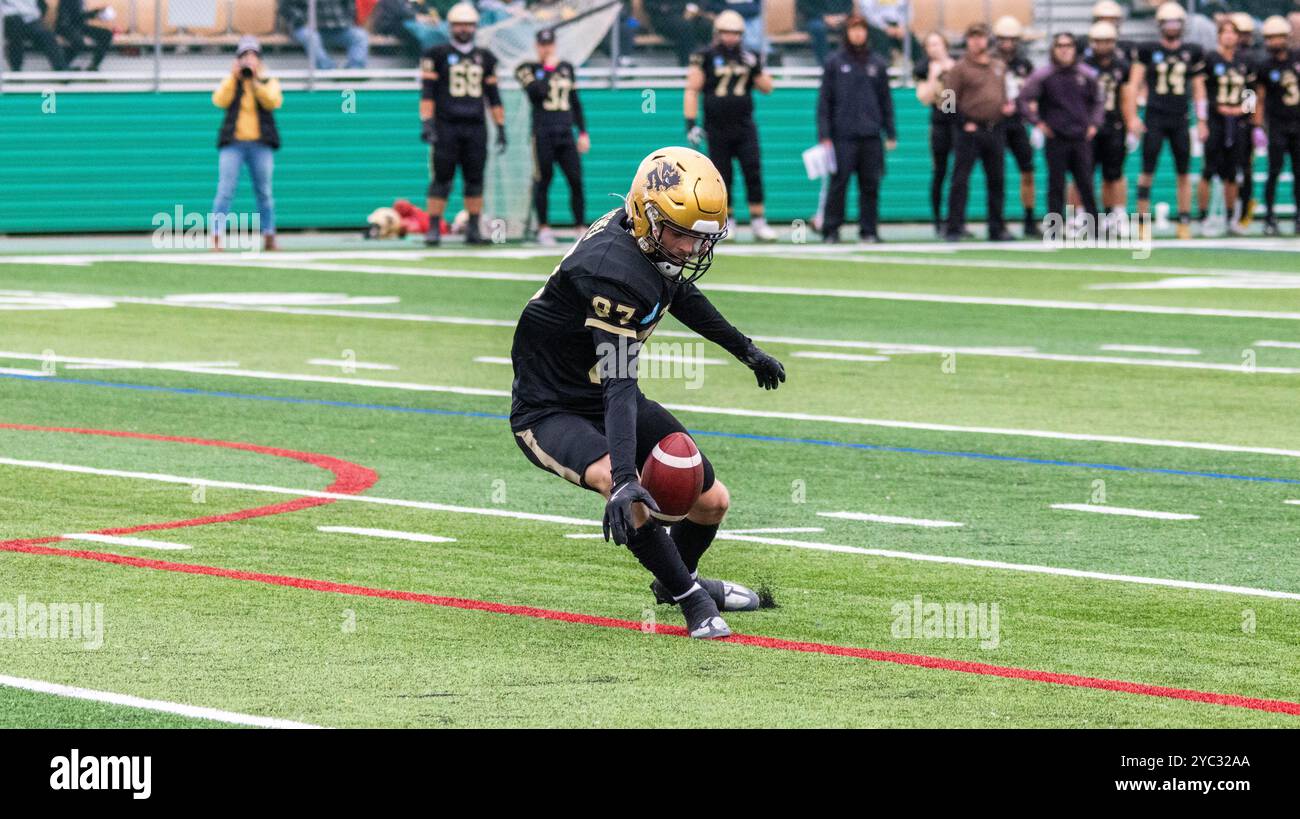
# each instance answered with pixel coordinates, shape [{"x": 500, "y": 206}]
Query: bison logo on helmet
[{"x": 663, "y": 177}]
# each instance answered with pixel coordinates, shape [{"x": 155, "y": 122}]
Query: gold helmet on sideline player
[
  {"x": 1102, "y": 30},
  {"x": 1008, "y": 27},
  {"x": 1276, "y": 26},
  {"x": 730, "y": 22},
  {"x": 678, "y": 190},
  {"x": 1107, "y": 10}
]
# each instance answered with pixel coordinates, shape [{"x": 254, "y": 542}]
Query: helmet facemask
[{"x": 673, "y": 265}]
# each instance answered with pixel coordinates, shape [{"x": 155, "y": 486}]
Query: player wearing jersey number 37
[{"x": 577, "y": 410}]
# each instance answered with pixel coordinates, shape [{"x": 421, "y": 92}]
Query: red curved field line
[
  {"x": 349, "y": 479},
  {"x": 352, "y": 478}
]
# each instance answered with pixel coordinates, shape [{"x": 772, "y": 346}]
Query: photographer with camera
[{"x": 248, "y": 136}]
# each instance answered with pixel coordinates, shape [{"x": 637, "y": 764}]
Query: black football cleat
[
  {"x": 727, "y": 596},
  {"x": 473, "y": 236},
  {"x": 433, "y": 236},
  {"x": 702, "y": 619}
]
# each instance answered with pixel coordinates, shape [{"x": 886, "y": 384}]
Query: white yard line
[
  {"x": 1024, "y": 567},
  {"x": 568, "y": 521},
  {"x": 494, "y": 359},
  {"x": 723, "y": 534},
  {"x": 1145, "y": 348},
  {"x": 838, "y": 356},
  {"x": 117, "y": 540},
  {"x": 887, "y": 348},
  {"x": 195, "y": 711},
  {"x": 20, "y": 371},
  {"x": 725, "y": 411},
  {"x": 189, "y": 364},
  {"x": 390, "y": 534},
  {"x": 1284, "y": 345},
  {"x": 1121, "y": 510},
  {"x": 344, "y": 363},
  {"x": 894, "y": 519},
  {"x": 281, "y": 490}
]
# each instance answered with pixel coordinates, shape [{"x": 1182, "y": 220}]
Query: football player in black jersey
[
  {"x": 576, "y": 408},
  {"x": 1278, "y": 89},
  {"x": 551, "y": 86},
  {"x": 1170, "y": 74},
  {"x": 1228, "y": 82},
  {"x": 1009, "y": 34},
  {"x": 457, "y": 80},
  {"x": 1250, "y": 50},
  {"x": 725, "y": 74},
  {"x": 1109, "y": 146}
]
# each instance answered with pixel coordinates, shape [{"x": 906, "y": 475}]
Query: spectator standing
[
  {"x": 72, "y": 24},
  {"x": 248, "y": 137},
  {"x": 22, "y": 23},
  {"x": 930, "y": 73},
  {"x": 335, "y": 28},
  {"x": 1064, "y": 102},
  {"x": 978, "y": 84},
  {"x": 821, "y": 19},
  {"x": 855, "y": 109}
]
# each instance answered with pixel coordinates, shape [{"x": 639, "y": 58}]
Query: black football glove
[
  {"x": 427, "y": 132},
  {"x": 501, "y": 139},
  {"x": 767, "y": 370},
  {"x": 618, "y": 520}
]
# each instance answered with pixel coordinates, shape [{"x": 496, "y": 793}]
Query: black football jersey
[
  {"x": 728, "y": 83},
  {"x": 459, "y": 80},
  {"x": 1226, "y": 81},
  {"x": 921, "y": 73},
  {"x": 1111, "y": 78},
  {"x": 604, "y": 282},
  {"x": 554, "y": 95},
  {"x": 1280, "y": 80},
  {"x": 1169, "y": 74},
  {"x": 1018, "y": 70}
]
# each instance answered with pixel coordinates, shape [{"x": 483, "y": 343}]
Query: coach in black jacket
[{"x": 854, "y": 110}]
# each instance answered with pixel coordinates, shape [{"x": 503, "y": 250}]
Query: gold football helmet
[{"x": 678, "y": 190}]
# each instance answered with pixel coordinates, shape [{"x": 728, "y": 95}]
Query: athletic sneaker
[
  {"x": 762, "y": 231},
  {"x": 727, "y": 596},
  {"x": 702, "y": 619},
  {"x": 433, "y": 236},
  {"x": 472, "y": 234},
  {"x": 546, "y": 237},
  {"x": 1270, "y": 228}
]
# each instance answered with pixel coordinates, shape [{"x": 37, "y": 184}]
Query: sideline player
[
  {"x": 1279, "y": 90},
  {"x": 457, "y": 79},
  {"x": 551, "y": 86},
  {"x": 1170, "y": 74},
  {"x": 726, "y": 74}
]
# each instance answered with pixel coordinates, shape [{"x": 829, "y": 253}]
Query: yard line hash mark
[
  {"x": 894, "y": 519},
  {"x": 390, "y": 534},
  {"x": 1121, "y": 510}
]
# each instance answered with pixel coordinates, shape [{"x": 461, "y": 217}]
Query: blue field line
[{"x": 742, "y": 436}]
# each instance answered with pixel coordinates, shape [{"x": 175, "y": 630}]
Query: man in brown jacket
[{"x": 978, "y": 85}]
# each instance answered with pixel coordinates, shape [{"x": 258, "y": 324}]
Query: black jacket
[
  {"x": 270, "y": 135},
  {"x": 855, "y": 100}
]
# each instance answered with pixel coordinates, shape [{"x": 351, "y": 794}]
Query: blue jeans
[
  {"x": 231, "y": 160},
  {"x": 353, "y": 39}
]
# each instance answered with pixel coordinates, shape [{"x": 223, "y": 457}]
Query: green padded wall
[{"x": 110, "y": 161}]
